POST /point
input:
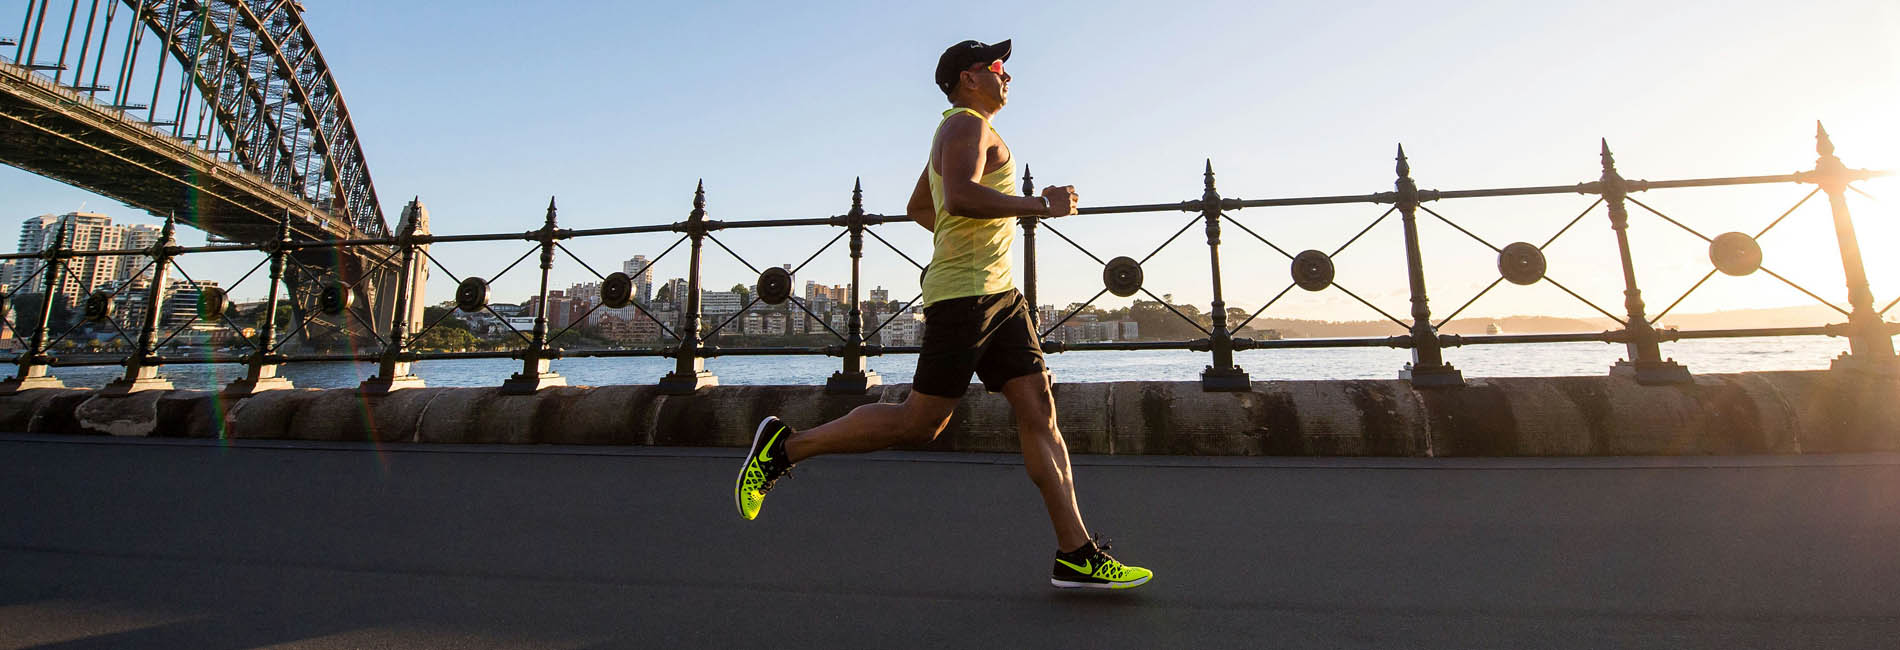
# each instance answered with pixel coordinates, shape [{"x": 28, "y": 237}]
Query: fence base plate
[
  {"x": 375, "y": 386},
  {"x": 251, "y": 386},
  {"x": 1443, "y": 376},
  {"x": 523, "y": 384},
  {"x": 676, "y": 383},
  {"x": 16, "y": 384},
  {"x": 1653, "y": 373},
  {"x": 852, "y": 383},
  {"x": 1888, "y": 367},
  {"x": 124, "y": 387},
  {"x": 1225, "y": 380}
]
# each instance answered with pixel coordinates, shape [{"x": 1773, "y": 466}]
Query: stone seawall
[{"x": 1748, "y": 413}]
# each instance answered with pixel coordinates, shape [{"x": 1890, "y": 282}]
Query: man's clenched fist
[{"x": 1062, "y": 199}]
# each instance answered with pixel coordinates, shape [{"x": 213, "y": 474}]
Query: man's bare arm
[
  {"x": 960, "y": 156},
  {"x": 921, "y": 210}
]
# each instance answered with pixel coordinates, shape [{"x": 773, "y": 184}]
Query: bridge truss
[{"x": 237, "y": 82}]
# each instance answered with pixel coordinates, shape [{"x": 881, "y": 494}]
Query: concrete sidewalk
[{"x": 108, "y": 543}]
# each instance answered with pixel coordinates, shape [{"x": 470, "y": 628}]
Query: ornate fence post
[
  {"x": 1029, "y": 254},
  {"x": 1223, "y": 375},
  {"x": 1870, "y": 346},
  {"x": 1428, "y": 368},
  {"x": 1645, "y": 362},
  {"x": 393, "y": 369},
  {"x": 35, "y": 364},
  {"x": 141, "y": 369},
  {"x": 689, "y": 373},
  {"x": 535, "y": 371},
  {"x": 261, "y": 372},
  {"x": 854, "y": 379}
]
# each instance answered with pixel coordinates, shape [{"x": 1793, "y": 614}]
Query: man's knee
[
  {"x": 924, "y": 420},
  {"x": 923, "y": 431}
]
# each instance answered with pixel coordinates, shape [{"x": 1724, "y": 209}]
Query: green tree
[
  {"x": 745, "y": 293},
  {"x": 446, "y": 338}
]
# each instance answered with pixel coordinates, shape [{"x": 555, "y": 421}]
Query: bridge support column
[{"x": 35, "y": 366}]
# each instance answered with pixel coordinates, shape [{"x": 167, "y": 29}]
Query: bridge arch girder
[{"x": 284, "y": 115}]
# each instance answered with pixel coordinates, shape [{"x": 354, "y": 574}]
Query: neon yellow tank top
[{"x": 970, "y": 256}]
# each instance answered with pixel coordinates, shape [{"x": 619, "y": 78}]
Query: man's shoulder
[{"x": 963, "y": 124}]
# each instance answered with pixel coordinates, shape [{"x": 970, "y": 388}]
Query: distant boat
[{"x": 1493, "y": 329}]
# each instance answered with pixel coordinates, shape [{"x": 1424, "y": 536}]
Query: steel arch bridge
[{"x": 220, "y": 112}]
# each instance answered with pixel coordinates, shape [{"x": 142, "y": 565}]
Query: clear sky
[{"x": 486, "y": 109}]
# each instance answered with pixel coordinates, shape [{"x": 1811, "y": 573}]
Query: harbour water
[{"x": 1543, "y": 360}]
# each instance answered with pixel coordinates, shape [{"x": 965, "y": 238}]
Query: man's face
[{"x": 990, "y": 81}]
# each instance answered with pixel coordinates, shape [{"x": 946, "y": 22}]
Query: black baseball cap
[{"x": 963, "y": 55}]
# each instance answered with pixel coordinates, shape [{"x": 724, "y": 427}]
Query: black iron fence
[{"x": 267, "y": 346}]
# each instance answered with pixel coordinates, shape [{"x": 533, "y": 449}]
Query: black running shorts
[{"x": 992, "y": 336}]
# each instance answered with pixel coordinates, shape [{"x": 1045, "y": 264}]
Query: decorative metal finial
[
  {"x": 1208, "y": 176},
  {"x": 1028, "y": 181},
  {"x": 857, "y": 195},
  {"x": 699, "y": 196},
  {"x": 550, "y": 212},
  {"x": 1404, "y": 168},
  {"x": 1822, "y": 144},
  {"x": 171, "y": 227},
  {"x": 1609, "y": 159}
]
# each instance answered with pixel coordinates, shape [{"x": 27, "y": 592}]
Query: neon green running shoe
[
  {"x": 765, "y": 464},
  {"x": 1091, "y": 567}
]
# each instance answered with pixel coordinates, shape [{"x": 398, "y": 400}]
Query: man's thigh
[{"x": 1013, "y": 349}]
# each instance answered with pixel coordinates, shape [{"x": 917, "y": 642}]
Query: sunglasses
[{"x": 995, "y": 67}]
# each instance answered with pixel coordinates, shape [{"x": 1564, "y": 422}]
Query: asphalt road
[{"x": 154, "y": 544}]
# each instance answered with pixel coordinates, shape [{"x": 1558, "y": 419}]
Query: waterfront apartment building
[
  {"x": 641, "y": 270},
  {"x": 85, "y": 231}
]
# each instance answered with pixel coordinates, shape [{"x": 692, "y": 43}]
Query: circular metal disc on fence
[
  {"x": 1735, "y": 253},
  {"x": 1312, "y": 270},
  {"x": 616, "y": 291},
  {"x": 775, "y": 285},
  {"x": 1122, "y": 276},
  {"x": 1521, "y": 263},
  {"x": 334, "y": 300},
  {"x": 472, "y": 294},
  {"x": 99, "y": 306},
  {"x": 212, "y": 303}
]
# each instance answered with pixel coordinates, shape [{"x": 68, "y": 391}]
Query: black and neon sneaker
[
  {"x": 1091, "y": 567},
  {"x": 765, "y": 464}
]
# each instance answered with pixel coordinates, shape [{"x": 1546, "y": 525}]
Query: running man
[{"x": 974, "y": 322}]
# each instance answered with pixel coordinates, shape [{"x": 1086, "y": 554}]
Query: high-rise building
[
  {"x": 641, "y": 270},
  {"x": 85, "y": 231},
  {"x": 182, "y": 307},
  {"x": 132, "y": 268},
  {"x": 588, "y": 291},
  {"x": 676, "y": 288}
]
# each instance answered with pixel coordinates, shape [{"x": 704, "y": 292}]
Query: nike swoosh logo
[
  {"x": 765, "y": 453},
  {"x": 1085, "y": 568}
]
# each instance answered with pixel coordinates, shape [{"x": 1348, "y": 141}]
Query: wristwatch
[{"x": 1045, "y": 205}]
